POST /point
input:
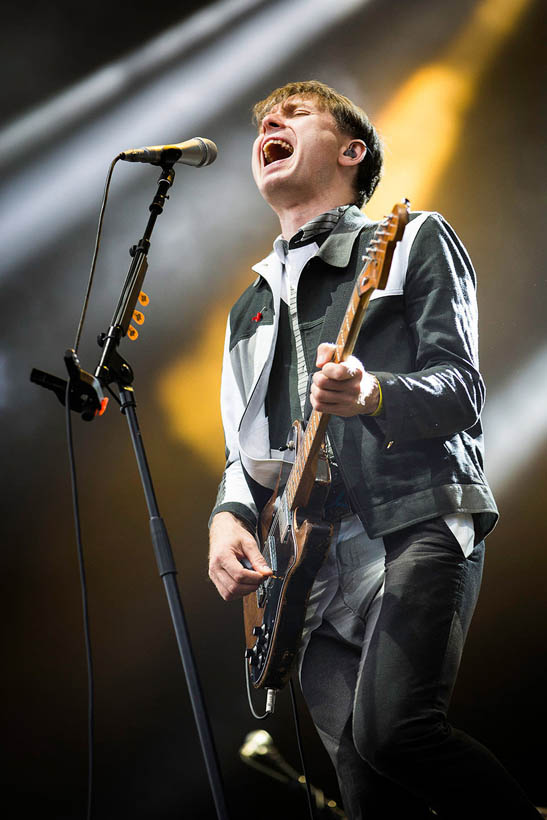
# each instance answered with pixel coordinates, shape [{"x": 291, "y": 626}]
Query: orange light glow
[{"x": 421, "y": 127}]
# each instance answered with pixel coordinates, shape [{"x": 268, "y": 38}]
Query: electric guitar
[{"x": 294, "y": 540}]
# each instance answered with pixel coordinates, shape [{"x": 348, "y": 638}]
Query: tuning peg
[
  {"x": 143, "y": 298},
  {"x": 133, "y": 333},
  {"x": 138, "y": 317}
]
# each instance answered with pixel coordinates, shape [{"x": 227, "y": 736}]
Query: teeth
[{"x": 271, "y": 154}]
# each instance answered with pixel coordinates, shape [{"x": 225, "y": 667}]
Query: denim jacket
[{"x": 422, "y": 456}]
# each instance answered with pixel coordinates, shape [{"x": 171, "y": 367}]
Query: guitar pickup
[
  {"x": 284, "y": 517},
  {"x": 273, "y": 553},
  {"x": 323, "y": 474}
]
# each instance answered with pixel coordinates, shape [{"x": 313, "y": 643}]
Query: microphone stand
[{"x": 86, "y": 397}]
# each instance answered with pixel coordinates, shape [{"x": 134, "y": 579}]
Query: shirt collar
[
  {"x": 314, "y": 231},
  {"x": 319, "y": 226}
]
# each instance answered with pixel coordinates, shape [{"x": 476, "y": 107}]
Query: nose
[{"x": 272, "y": 121}]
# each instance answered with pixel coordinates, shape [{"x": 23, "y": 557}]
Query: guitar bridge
[{"x": 262, "y": 592}]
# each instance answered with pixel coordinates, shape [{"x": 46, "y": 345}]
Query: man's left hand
[{"x": 344, "y": 389}]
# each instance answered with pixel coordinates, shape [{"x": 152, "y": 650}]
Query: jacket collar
[{"x": 335, "y": 250}]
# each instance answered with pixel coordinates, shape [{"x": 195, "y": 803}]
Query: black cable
[
  {"x": 95, "y": 253},
  {"x": 89, "y": 656},
  {"x": 301, "y": 750},
  {"x": 76, "y": 506},
  {"x": 249, "y": 697}
]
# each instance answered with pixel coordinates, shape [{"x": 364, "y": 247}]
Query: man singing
[{"x": 409, "y": 501}]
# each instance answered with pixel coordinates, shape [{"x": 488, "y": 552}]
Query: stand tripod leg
[{"x": 167, "y": 571}]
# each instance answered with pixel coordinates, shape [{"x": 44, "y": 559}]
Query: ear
[{"x": 352, "y": 153}]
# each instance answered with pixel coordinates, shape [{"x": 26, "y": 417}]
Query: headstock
[{"x": 390, "y": 230}]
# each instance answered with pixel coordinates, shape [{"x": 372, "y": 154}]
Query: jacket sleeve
[
  {"x": 233, "y": 493},
  {"x": 445, "y": 393}
]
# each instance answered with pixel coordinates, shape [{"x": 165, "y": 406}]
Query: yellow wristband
[{"x": 380, "y": 400}]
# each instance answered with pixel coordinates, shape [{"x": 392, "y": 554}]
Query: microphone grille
[{"x": 210, "y": 151}]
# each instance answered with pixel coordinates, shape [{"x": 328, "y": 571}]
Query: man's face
[{"x": 295, "y": 156}]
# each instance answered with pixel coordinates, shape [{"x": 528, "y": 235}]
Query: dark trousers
[{"x": 380, "y": 700}]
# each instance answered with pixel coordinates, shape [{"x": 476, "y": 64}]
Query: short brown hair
[{"x": 350, "y": 120}]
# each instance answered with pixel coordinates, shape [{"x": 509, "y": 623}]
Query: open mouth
[{"x": 274, "y": 150}]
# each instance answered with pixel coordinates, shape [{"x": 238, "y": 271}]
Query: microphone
[{"x": 197, "y": 151}]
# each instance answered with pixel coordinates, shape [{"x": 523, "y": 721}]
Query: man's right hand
[{"x": 230, "y": 543}]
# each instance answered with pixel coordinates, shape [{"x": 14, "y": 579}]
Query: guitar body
[{"x": 274, "y": 615}]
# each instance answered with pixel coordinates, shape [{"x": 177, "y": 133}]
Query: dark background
[{"x": 54, "y": 161}]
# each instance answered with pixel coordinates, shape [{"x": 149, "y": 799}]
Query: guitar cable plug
[{"x": 271, "y": 695}]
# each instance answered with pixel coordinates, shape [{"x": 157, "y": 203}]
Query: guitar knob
[{"x": 251, "y": 656}]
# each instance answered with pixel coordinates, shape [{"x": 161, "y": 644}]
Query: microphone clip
[{"x": 85, "y": 393}]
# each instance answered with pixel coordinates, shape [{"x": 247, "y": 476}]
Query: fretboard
[{"x": 317, "y": 424}]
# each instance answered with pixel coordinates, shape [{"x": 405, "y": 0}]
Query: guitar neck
[
  {"x": 377, "y": 259},
  {"x": 302, "y": 476}
]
